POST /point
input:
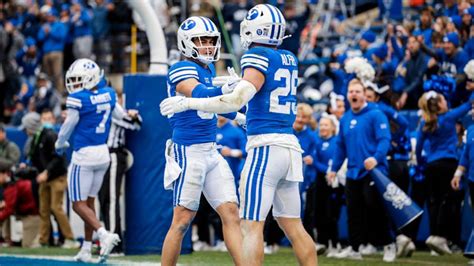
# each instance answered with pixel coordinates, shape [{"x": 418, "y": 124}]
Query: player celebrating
[
  {"x": 274, "y": 163},
  {"x": 203, "y": 169},
  {"x": 88, "y": 115}
]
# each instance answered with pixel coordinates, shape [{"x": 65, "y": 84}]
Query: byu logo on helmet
[
  {"x": 253, "y": 14},
  {"x": 188, "y": 24}
]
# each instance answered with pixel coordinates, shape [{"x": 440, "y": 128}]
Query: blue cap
[
  {"x": 468, "y": 11},
  {"x": 381, "y": 51},
  {"x": 30, "y": 42},
  {"x": 456, "y": 20},
  {"x": 452, "y": 37},
  {"x": 369, "y": 36},
  {"x": 15, "y": 22},
  {"x": 65, "y": 7}
]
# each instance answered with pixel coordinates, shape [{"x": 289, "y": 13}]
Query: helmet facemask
[{"x": 211, "y": 53}]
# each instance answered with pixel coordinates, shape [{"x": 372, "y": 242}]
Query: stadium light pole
[{"x": 155, "y": 35}]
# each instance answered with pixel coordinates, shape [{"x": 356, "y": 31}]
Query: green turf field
[{"x": 283, "y": 257}]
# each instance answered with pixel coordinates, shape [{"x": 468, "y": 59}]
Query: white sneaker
[
  {"x": 402, "y": 243},
  {"x": 220, "y": 246},
  {"x": 438, "y": 244},
  {"x": 320, "y": 248},
  {"x": 201, "y": 246},
  {"x": 389, "y": 252},
  {"x": 368, "y": 249},
  {"x": 410, "y": 249},
  {"x": 471, "y": 262},
  {"x": 107, "y": 243},
  {"x": 71, "y": 244},
  {"x": 434, "y": 253},
  {"x": 348, "y": 253},
  {"x": 267, "y": 250},
  {"x": 83, "y": 256}
]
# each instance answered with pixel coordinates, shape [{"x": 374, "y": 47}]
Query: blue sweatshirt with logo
[
  {"x": 444, "y": 139},
  {"x": 362, "y": 135}
]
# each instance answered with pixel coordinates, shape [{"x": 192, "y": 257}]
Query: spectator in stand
[
  {"x": 51, "y": 178},
  {"x": 45, "y": 96},
  {"x": 100, "y": 31},
  {"x": 469, "y": 46},
  {"x": 81, "y": 22},
  {"x": 52, "y": 35},
  {"x": 9, "y": 151},
  {"x": 29, "y": 60},
  {"x": 365, "y": 43},
  {"x": 438, "y": 127},
  {"x": 20, "y": 199},
  {"x": 10, "y": 42},
  {"x": 295, "y": 24},
  {"x": 415, "y": 65},
  {"x": 426, "y": 21},
  {"x": 465, "y": 28},
  {"x": 450, "y": 8},
  {"x": 234, "y": 12},
  {"x": 337, "y": 106},
  {"x": 120, "y": 22}
]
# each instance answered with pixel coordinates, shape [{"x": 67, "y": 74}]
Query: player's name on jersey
[
  {"x": 288, "y": 60},
  {"x": 101, "y": 98}
]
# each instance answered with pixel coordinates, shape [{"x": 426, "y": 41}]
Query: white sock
[
  {"x": 87, "y": 245},
  {"x": 101, "y": 232}
]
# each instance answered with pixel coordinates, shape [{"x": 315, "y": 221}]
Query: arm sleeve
[
  {"x": 255, "y": 58},
  {"x": 10, "y": 197},
  {"x": 392, "y": 114},
  {"x": 459, "y": 111},
  {"x": 68, "y": 127},
  {"x": 398, "y": 51},
  {"x": 202, "y": 91},
  {"x": 119, "y": 113},
  {"x": 382, "y": 136},
  {"x": 182, "y": 71}
]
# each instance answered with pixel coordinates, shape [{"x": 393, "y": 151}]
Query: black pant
[
  {"x": 309, "y": 213},
  {"x": 327, "y": 209},
  {"x": 367, "y": 219},
  {"x": 399, "y": 173},
  {"x": 109, "y": 194},
  {"x": 418, "y": 195},
  {"x": 444, "y": 203}
]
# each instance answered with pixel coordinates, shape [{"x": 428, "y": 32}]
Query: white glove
[
  {"x": 175, "y": 104},
  {"x": 229, "y": 82},
  {"x": 61, "y": 149},
  {"x": 241, "y": 120}
]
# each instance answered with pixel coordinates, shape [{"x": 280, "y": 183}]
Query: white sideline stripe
[{"x": 110, "y": 261}]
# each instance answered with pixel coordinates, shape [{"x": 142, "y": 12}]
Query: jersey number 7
[{"x": 103, "y": 109}]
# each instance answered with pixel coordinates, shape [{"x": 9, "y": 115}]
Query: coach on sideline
[{"x": 364, "y": 139}]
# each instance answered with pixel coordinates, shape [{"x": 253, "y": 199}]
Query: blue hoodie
[
  {"x": 362, "y": 135},
  {"x": 468, "y": 154},
  {"x": 324, "y": 151},
  {"x": 444, "y": 139},
  {"x": 55, "y": 39}
]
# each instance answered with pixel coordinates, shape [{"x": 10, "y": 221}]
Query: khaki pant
[
  {"x": 51, "y": 196},
  {"x": 53, "y": 66},
  {"x": 30, "y": 231},
  {"x": 5, "y": 230}
]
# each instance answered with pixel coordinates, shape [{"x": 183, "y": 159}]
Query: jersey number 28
[{"x": 284, "y": 106}]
